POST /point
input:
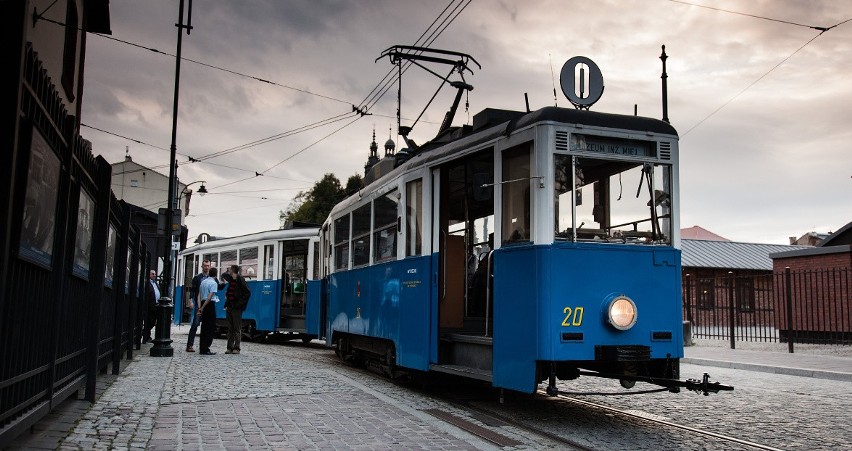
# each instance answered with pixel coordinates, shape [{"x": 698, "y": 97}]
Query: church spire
[{"x": 373, "y": 158}]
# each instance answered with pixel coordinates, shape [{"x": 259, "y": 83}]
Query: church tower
[
  {"x": 374, "y": 154},
  {"x": 390, "y": 146}
]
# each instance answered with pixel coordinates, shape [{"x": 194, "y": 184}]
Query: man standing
[
  {"x": 194, "y": 303},
  {"x": 208, "y": 299},
  {"x": 152, "y": 297},
  {"x": 236, "y": 300}
]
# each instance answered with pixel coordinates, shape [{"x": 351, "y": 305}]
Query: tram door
[
  {"x": 465, "y": 214},
  {"x": 294, "y": 267}
]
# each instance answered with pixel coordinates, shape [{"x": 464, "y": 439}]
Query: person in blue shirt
[
  {"x": 208, "y": 298},
  {"x": 194, "y": 303}
]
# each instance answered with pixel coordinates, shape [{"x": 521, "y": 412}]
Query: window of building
[
  {"x": 385, "y": 214},
  {"x": 706, "y": 293},
  {"x": 745, "y": 293},
  {"x": 414, "y": 217}
]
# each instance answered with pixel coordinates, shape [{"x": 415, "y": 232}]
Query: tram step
[
  {"x": 472, "y": 351},
  {"x": 465, "y": 371},
  {"x": 293, "y": 322}
]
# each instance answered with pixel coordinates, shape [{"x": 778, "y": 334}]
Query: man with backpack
[{"x": 236, "y": 300}]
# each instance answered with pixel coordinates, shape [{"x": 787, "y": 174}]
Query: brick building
[{"x": 820, "y": 283}]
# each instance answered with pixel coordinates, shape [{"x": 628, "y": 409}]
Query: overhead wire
[
  {"x": 823, "y": 30},
  {"x": 818, "y": 28},
  {"x": 369, "y": 102}
]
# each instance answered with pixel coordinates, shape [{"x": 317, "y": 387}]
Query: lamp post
[{"x": 162, "y": 345}]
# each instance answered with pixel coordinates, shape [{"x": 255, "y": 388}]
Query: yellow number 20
[{"x": 573, "y": 317}]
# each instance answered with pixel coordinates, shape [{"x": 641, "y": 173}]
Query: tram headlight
[{"x": 622, "y": 312}]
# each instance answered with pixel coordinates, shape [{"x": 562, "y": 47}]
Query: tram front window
[{"x": 612, "y": 201}]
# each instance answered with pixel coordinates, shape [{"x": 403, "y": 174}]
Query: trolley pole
[{"x": 162, "y": 344}]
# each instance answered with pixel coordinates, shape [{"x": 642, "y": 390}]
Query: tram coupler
[
  {"x": 705, "y": 386},
  {"x": 551, "y": 385}
]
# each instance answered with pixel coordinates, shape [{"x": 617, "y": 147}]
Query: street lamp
[{"x": 162, "y": 344}]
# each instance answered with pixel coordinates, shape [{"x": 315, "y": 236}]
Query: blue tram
[
  {"x": 276, "y": 264},
  {"x": 526, "y": 247}
]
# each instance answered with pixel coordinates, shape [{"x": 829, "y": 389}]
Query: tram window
[
  {"x": 341, "y": 243},
  {"x": 516, "y": 194},
  {"x": 248, "y": 262},
  {"x": 414, "y": 217},
  {"x": 189, "y": 270},
  {"x": 213, "y": 259},
  {"x": 228, "y": 258},
  {"x": 361, "y": 236},
  {"x": 268, "y": 262},
  {"x": 606, "y": 207},
  {"x": 385, "y": 214}
]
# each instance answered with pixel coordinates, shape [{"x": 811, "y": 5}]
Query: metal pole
[
  {"x": 732, "y": 316},
  {"x": 163, "y": 344},
  {"x": 789, "y": 290},
  {"x": 665, "y": 76}
]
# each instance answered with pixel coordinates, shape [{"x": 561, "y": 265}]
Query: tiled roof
[
  {"x": 700, "y": 233},
  {"x": 730, "y": 255}
]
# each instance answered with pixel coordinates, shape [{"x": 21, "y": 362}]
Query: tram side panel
[
  {"x": 388, "y": 301},
  {"x": 264, "y": 304},
  {"x": 516, "y": 288},
  {"x": 315, "y": 308}
]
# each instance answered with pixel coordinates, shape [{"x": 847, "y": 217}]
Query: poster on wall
[
  {"x": 127, "y": 271},
  {"x": 40, "y": 205},
  {"x": 83, "y": 239},
  {"x": 109, "y": 269}
]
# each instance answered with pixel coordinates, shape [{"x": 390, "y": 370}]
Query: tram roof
[
  {"x": 268, "y": 235},
  {"x": 491, "y": 123}
]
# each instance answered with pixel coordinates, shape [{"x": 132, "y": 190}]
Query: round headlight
[{"x": 622, "y": 313}]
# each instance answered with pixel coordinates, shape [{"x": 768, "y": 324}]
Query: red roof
[{"x": 698, "y": 233}]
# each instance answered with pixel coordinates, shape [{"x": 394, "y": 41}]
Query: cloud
[{"x": 772, "y": 162}]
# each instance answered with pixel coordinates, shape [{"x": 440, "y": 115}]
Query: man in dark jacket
[
  {"x": 152, "y": 297},
  {"x": 236, "y": 300}
]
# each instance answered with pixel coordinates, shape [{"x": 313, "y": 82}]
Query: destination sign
[{"x": 600, "y": 144}]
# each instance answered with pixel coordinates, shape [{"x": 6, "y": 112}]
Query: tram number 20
[{"x": 573, "y": 316}]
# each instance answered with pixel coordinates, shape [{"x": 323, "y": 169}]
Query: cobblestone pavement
[
  {"x": 289, "y": 396},
  {"x": 785, "y": 412},
  {"x": 296, "y": 396}
]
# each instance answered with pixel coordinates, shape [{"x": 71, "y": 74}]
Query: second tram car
[
  {"x": 276, "y": 264},
  {"x": 527, "y": 247}
]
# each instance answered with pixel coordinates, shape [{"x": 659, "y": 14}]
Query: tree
[{"x": 313, "y": 206}]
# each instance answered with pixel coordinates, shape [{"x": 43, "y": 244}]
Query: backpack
[{"x": 244, "y": 292}]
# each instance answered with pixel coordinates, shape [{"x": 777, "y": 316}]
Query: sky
[{"x": 760, "y": 98}]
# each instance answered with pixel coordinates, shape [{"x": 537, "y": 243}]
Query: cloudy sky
[{"x": 762, "y": 106}]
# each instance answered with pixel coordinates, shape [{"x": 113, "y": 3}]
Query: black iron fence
[
  {"x": 72, "y": 263},
  {"x": 783, "y": 307}
]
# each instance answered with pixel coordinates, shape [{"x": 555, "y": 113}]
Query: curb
[{"x": 788, "y": 371}]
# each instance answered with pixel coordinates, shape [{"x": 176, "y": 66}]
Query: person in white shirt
[{"x": 208, "y": 298}]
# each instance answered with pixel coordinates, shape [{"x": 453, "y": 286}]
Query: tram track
[
  {"x": 651, "y": 419},
  {"x": 495, "y": 419}
]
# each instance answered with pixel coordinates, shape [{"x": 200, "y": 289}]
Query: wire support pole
[{"x": 172, "y": 193}]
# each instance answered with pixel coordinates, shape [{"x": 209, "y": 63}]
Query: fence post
[
  {"x": 789, "y": 309},
  {"x": 732, "y": 316}
]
